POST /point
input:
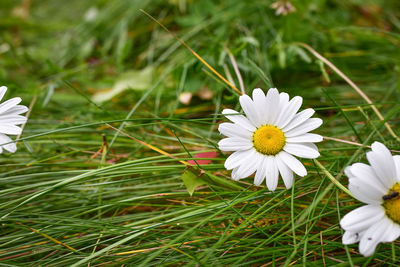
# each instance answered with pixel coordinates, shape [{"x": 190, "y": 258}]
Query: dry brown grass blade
[
  {"x": 236, "y": 68},
  {"x": 352, "y": 84},
  {"x": 150, "y": 249},
  {"x": 49, "y": 237},
  {"x": 353, "y": 143},
  {"x": 193, "y": 52}
]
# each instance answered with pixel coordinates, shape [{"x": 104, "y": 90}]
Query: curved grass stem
[
  {"x": 351, "y": 83},
  {"x": 333, "y": 179}
]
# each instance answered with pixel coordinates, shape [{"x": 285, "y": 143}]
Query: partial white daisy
[
  {"x": 378, "y": 186},
  {"x": 266, "y": 140},
  {"x": 9, "y": 119}
]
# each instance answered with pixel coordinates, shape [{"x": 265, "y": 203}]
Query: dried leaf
[
  {"x": 209, "y": 155},
  {"x": 133, "y": 79},
  {"x": 185, "y": 98}
]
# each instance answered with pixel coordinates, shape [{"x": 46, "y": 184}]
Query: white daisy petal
[
  {"x": 362, "y": 218},
  {"x": 234, "y": 130},
  {"x": 3, "y": 90},
  {"x": 231, "y": 144},
  {"x": 239, "y": 119},
  {"x": 307, "y": 126},
  {"x": 6, "y": 105},
  {"x": 382, "y": 163},
  {"x": 348, "y": 172},
  {"x": 10, "y": 129},
  {"x": 260, "y": 105},
  {"x": 289, "y": 112},
  {"x": 237, "y": 158},
  {"x": 250, "y": 110},
  {"x": 294, "y": 164},
  {"x": 286, "y": 172},
  {"x": 271, "y": 173},
  {"x": 261, "y": 171},
  {"x": 305, "y": 138},
  {"x": 299, "y": 119},
  {"x": 235, "y": 175},
  {"x": 18, "y": 109},
  {"x": 258, "y": 94},
  {"x": 249, "y": 166},
  {"x": 365, "y": 192},
  {"x": 283, "y": 101},
  {"x": 396, "y": 160},
  {"x": 392, "y": 232},
  {"x": 350, "y": 238},
  {"x": 272, "y": 105},
  {"x": 9, "y": 119},
  {"x": 377, "y": 233},
  {"x": 365, "y": 172},
  {"x": 283, "y": 104},
  {"x": 11, "y": 147},
  {"x": 12, "y": 119},
  {"x": 304, "y": 150}
]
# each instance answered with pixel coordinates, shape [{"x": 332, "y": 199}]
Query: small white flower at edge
[
  {"x": 9, "y": 119},
  {"x": 378, "y": 186},
  {"x": 266, "y": 139}
]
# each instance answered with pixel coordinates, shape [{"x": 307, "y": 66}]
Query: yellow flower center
[
  {"x": 269, "y": 140},
  {"x": 391, "y": 203}
]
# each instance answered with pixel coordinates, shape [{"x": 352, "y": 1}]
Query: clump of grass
[{"x": 81, "y": 191}]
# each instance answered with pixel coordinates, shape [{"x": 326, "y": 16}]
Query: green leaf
[{"x": 192, "y": 180}]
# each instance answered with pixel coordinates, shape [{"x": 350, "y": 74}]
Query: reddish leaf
[{"x": 209, "y": 155}]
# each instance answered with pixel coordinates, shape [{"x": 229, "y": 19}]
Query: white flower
[
  {"x": 9, "y": 119},
  {"x": 266, "y": 140},
  {"x": 378, "y": 186}
]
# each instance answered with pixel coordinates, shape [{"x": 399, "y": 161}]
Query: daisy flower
[
  {"x": 9, "y": 119},
  {"x": 378, "y": 186},
  {"x": 266, "y": 140}
]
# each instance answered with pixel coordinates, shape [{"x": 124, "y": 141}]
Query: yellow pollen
[
  {"x": 269, "y": 140},
  {"x": 391, "y": 203}
]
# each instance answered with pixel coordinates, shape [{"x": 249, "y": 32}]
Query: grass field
[{"x": 97, "y": 178}]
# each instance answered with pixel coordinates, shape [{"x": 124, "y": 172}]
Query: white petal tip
[
  {"x": 11, "y": 150},
  {"x": 379, "y": 147},
  {"x": 227, "y": 111},
  {"x": 258, "y": 93},
  {"x": 316, "y": 155},
  {"x": 273, "y": 91},
  {"x": 236, "y": 178},
  {"x": 288, "y": 187},
  {"x": 377, "y": 144},
  {"x": 319, "y": 121},
  {"x": 348, "y": 172},
  {"x": 302, "y": 174},
  {"x": 24, "y": 109}
]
